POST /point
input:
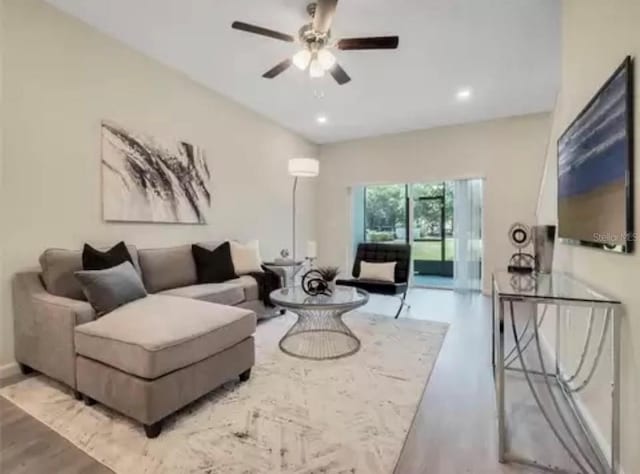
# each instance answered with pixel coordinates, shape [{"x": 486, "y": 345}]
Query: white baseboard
[{"x": 8, "y": 370}]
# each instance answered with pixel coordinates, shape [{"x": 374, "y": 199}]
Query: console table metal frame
[{"x": 596, "y": 461}]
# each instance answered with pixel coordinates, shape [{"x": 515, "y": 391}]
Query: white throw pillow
[
  {"x": 246, "y": 257},
  {"x": 378, "y": 271}
]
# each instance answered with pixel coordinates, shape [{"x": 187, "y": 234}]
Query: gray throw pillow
[{"x": 109, "y": 289}]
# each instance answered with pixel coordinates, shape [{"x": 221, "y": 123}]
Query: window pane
[{"x": 385, "y": 213}]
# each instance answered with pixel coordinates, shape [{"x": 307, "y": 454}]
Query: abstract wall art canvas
[{"x": 149, "y": 180}]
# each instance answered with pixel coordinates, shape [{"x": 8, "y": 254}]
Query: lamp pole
[
  {"x": 299, "y": 167},
  {"x": 293, "y": 219}
]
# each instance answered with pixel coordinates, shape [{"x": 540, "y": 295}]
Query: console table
[{"x": 535, "y": 294}]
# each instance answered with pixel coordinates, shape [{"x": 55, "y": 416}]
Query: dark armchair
[{"x": 380, "y": 253}]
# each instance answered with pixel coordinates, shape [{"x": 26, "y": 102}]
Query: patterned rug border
[{"x": 444, "y": 325}]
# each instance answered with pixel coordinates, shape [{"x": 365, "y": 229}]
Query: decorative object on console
[
  {"x": 246, "y": 257},
  {"x": 213, "y": 266},
  {"x": 523, "y": 281},
  {"x": 93, "y": 259},
  {"x": 314, "y": 284},
  {"x": 300, "y": 168},
  {"x": 109, "y": 289},
  {"x": 144, "y": 180},
  {"x": 520, "y": 237},
  {"x": 543, "y": 242}
]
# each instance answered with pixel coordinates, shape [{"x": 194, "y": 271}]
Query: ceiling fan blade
[
  {"x": 323, "y": 17},
  {"x": 258, "y": 30},
  {"x": 277, "y": 69},
  {"x": 339, "y": 74},
  {"x": 375, "y": 42}
]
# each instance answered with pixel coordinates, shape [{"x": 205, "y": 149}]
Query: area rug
[{"x": 292, "y": 416}]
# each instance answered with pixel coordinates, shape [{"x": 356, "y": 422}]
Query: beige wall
[
  {"x": 61, "y": 79},
  {"x": 597, "y": 35},
  {"x": 508, "y": 153}
]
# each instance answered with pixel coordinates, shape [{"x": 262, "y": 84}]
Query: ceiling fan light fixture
[
  {"x": 315, "y": 68},
  {"x": 301, "y": 59},
  {"x": 326, "y": 58}
]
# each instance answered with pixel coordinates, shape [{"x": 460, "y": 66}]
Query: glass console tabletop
[{"x": 547, "y": 286}]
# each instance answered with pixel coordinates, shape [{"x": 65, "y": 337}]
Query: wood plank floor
[{"x": 454, "y": 430}]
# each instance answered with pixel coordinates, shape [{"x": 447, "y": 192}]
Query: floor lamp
[{"x": 300, "y": 168}]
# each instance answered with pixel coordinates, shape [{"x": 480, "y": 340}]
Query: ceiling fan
[{"x": 315, "y": 37}]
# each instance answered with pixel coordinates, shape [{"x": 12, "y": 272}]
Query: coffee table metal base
[{"x": 319, "y": 334}]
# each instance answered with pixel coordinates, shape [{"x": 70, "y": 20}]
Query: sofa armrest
[{"x": 44, "y": 327}]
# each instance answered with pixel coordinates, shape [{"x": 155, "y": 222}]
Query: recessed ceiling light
[
  {"x": 464, "y": 93},
  {"x": 321, "y": 119}
]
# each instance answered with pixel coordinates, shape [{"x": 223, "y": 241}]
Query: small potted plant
[{"x": 329, "y": 275}]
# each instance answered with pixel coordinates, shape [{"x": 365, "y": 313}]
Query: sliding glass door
[
  {"x": 441, "y": 220},
  {"x": 432, "y": 234}
]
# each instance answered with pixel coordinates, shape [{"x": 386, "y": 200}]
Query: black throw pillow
[
  {"x": 213, "y": 266},
  {"x": 93, "y": 259}
]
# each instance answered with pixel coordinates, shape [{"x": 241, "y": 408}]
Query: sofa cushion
[
  {"x": 211, "y": 244},
  {"x": 246, "y": 257},
  {"x": 94, "y": 259},
  {"x": 58, "y": 268},
  {"x": 249, "y": 285},
  {"x": 158, "y": 334},
  {"x": 221, "y": 293},
  {"x": 111, "y": 288},
  {"x": 165, "y": 268},
  {"x": 213, "y": 266}
]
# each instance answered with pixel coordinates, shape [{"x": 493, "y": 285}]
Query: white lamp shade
[
  {"x": 315, "y": 68},
  {"x": 302, "y": 58},
  {"x": 326, "y": 59},
  {"x": 304, "y": 167}
]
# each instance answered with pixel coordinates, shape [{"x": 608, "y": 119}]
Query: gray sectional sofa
[{"x": 147, "y": 358}]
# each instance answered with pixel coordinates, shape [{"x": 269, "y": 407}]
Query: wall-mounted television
[{"x": 595, "y": 169}]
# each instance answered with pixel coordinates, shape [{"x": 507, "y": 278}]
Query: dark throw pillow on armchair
[
  {"x": 213, "y": 266},
  {"x": 109, "y": 289},
  {"x": 93, "y": 259}
]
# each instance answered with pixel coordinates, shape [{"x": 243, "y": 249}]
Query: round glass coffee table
[{"x": 320, "y": 333}]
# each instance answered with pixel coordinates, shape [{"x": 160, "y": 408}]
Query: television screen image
[{"x": 594, "y": 169}]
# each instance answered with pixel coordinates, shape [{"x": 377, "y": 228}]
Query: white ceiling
[{"x": 507, "y": 51}]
